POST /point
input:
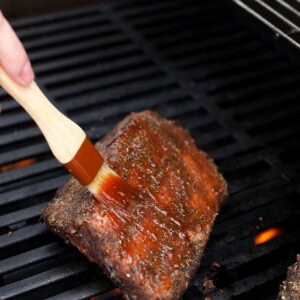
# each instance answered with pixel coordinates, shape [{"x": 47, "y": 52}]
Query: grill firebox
[{"x": 190, "y": 61}]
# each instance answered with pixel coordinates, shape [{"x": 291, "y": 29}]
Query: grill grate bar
[
  {"x": 33, "y": 190},
  {"x": 23, "y": 173},
  {"x": 163, "y": 91},
  {"x": 251, "y": 254},
  {"x": 31, "y": 22},
  {"x": 61, "y": 26},
  {"x": 247, "y": 110},
  {"x": 238, "y": 65},
  {"x": 244, "y": 240},
  {"x": 43, "y": 279},
  {"x": 244, "y": 224},
  {"x": 31, "y": 257},
  {"x": 74, "y": 48},
  {"x": 169, "y": 16},
  {"x": 65, "y": 78},
  {"x": 22, "y": 235},
  {"x": 221, "y": 154},
  {"x": 19, "y": 136},
  {"x": 135, "y": 11},
  {"x": 22, "y": 215},
  {"x": 270, "y": 134},
  {"x": 216, "y": 41},
  {"x": 262, "y": 88},
  {"x": 277, "y": 114},
  {"x": 109, "y": 81},
  {"x": 64, "y": 38},
  {"x": 84, "y": 291},
  {"x": 193, "y": 54},
  {"x": 29, "y": 151},
  {"x": 253, "y": 77},
  {"x": 242, "y": 286},
  {"x": 240, "y": 201},
  {"x": 18, "y": 118},
  {"x": 125, "y": 90},
  {"x": 8, "y": 105},
  {"x": 156, "y": 30},
  {"x": 276, "y": 118},
  {"x": 86, "y": 57}
]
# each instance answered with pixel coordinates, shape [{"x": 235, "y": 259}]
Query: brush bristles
[{"x": 103, "y": 174}]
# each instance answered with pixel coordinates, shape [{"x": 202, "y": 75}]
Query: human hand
[{"x": 13, "y": 57}]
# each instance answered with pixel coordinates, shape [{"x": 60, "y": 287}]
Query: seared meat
[
  {"x": 290, "y": 288},
  {"x": 151, "y": 247}
]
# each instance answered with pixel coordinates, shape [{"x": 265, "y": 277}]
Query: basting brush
[{"x": 67, "y": 141}]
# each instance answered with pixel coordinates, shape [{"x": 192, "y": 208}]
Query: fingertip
[
  {"x": 13, "y": 57},
  {"x": 26, "y": 76}
]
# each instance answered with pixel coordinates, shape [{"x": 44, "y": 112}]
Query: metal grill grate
[
  {"x": 280, "y": 15},
  {"x": 189, "y": 61}
]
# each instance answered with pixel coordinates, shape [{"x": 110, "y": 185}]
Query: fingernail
[{"x": 27, "y": 75}]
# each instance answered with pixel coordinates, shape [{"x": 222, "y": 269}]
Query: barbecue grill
[{"x": 191, "y": 61}]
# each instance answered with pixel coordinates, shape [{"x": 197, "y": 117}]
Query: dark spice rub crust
[
  {"x": 290, "y": 288},
  {"x": 155, "y": 253}
]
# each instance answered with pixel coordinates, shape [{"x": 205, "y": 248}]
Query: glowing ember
[
  {"x": 17, "y": 165},
  {"x": 267, "y": 235}
]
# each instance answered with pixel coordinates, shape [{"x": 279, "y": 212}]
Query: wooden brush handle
[{"x": 64, "y": 137}]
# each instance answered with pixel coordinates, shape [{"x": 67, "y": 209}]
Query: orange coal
[
  {"x": 267, "y": 235},
  {"x": 17, "y": 165}
]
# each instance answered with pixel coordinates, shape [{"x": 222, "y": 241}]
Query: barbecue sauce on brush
[{"x": 86, "y": 163}]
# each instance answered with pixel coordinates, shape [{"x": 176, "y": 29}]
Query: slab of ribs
[{"x": 152, "y": 247}]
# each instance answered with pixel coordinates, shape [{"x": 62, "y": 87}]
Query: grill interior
[{"x": 187, "y": 60}]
